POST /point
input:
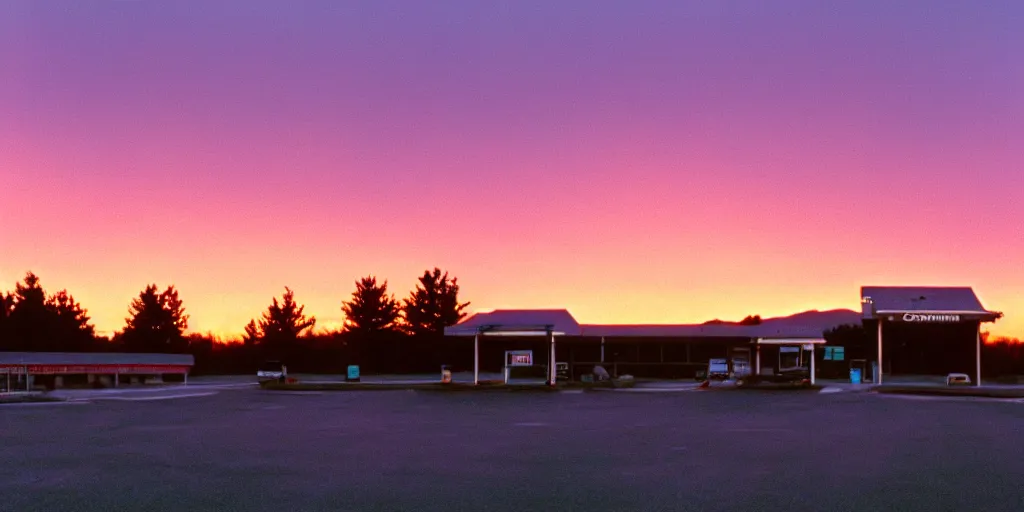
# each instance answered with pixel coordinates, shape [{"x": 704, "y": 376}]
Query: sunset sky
[{"x": 630, "y": 161}]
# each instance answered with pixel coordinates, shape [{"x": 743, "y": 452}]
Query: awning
[
  {"x": 921, "y": 316},
  {"x": 528, "y": 322},
  {"x": 791, "y": 341}
]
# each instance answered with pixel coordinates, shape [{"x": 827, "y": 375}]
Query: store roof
[
  {"x": 924, "y": 299},
  {"x": 526, "y": 322},
  {"x": 535, "y": 322},
  {"x": 97, "y": 358}
]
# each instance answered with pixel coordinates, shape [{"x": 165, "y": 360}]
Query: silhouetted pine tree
[
  {"x": 6, "y": 307},
  {"x": 433, "y": 305},
  {"x": 252, "y": 335},
  {"x": 371, "y": 309},
  {"x": 33, "y": 321},
  {"x": 72, "y": 326},
  {"x": 157, "y": 322},
  {"x": 751, "y": 320},
  {"x": 283, "y": 322}
]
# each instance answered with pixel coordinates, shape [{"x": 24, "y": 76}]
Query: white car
[
  {"x": 272, "y": 371},
  {"x": 958, "y": 379}
]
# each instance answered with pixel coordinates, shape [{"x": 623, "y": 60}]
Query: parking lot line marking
[
  {"x": 531, "y": 424},
  {"x": 152, "y": 398},
  {"x": 759, "y": 430},
  {"x": 658, "y": 390}
]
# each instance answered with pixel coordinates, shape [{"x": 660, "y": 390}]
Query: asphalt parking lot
[{"x": 249, "y": 449}]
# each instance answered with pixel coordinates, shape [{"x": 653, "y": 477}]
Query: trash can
[
  {"x": 353, "y": 373},
  {"x": 855, "y": 376},
  {"x": 446, "y": 374}
]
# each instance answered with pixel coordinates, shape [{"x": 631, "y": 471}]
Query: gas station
[
  {"x": 925, "y": 330},
  {"x": 910, "y": 331},
  {"x": 533, "y": 324},
  {"x": 751, "y": 351}
]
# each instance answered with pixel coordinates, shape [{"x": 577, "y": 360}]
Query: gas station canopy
[
  {"x": 924, "y": 304},
  {"x": 518, "y": 322}
]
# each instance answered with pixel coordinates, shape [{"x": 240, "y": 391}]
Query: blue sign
[
  {"x": 353, "y": 372},
  {"x": 834, "y": 353}
]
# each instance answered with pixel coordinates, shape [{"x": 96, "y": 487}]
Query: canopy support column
[
  {"x": 552, "y": 372},
  {"x": 977, "y": 357},
  {"x": 879, "y": 351},
  {"x": 812, "y": 363},
  {"x": 476, "y": 359},
  {"x": 602, "y": 349},
  {"x": 757, "y": 357}
]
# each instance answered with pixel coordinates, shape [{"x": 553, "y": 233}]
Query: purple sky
[{"x": 743, "y": 157}]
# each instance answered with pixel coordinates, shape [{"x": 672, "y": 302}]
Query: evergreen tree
[
  {"x": 71, "y": 322},
  {"x": 6, "y": 307},
  {"x": 283, "y": 322},
  {"x": 252, "y": 335},
  {"x": 371, "y": 309},
  {"x": 157, "y": 322},
  {"x": 751, "y": 320},
  {"x": 433, "y": 305},
  {"x": 32, "y": 321}
]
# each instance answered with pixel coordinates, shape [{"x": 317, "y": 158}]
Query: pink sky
[{"x": 657, "y": 162}]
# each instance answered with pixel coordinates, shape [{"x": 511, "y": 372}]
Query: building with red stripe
[{"x": 29, "y": 370}]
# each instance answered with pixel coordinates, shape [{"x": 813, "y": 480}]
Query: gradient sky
[{"x": 631, "y": 161}]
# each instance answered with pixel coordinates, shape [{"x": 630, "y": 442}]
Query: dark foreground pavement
[{"x": 252, "y": 450}]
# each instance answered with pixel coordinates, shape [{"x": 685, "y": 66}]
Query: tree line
[
  {"x": 379, "y": 329},
  {"x": 381, "y": 333}
]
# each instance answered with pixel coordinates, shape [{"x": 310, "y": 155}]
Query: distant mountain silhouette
[
  {"x": 801, "y": 325},
  {"x": 826, "y": 319}
]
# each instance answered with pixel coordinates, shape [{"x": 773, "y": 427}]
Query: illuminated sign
[
  {"x": 835, "y": 353},
  {"x": 519, "y": 358},
  {"x": 930, "y": 318}
]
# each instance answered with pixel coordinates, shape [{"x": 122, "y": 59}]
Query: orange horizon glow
[{"x": 218, "y": 311}]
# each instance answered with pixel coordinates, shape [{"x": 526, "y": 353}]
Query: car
[
  {"x": 958, "y": 379},
  {"x": 718, "y": 369},
  {"x": 272, "y": 371}
]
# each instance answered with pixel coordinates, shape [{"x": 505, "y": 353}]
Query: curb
[
  {"x": 961, "y": 392},
  {"x": 436, "y": 387}
]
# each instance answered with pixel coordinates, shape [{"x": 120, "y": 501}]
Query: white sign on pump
[{"x": 519, "y": 358}]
